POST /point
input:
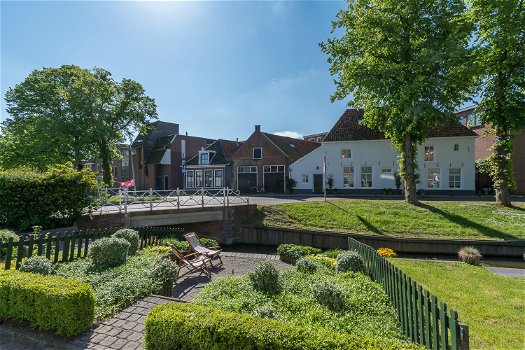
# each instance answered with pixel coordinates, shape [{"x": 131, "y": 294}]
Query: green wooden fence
[
  {"x": 423, "y": 318},
  {"x": 66, "y": 246}
]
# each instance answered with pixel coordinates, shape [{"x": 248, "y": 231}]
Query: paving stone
[
  {"x": 119, "y": 343},
  {"x": 125, "y": 334},
  {"x": 108, "y": 340},
  {"x": 136, "y": 336}
]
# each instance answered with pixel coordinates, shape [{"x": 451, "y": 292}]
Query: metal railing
[
  {"x": 124, "y": 199},
  {"x": 423, "y": 318}
]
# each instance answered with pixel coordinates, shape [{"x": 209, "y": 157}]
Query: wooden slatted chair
[
  {"x": 197, "y": 247},
  {"x": 189, "y": 263}
]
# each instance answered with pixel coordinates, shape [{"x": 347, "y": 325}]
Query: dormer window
[{"x": 205, "y": 157}]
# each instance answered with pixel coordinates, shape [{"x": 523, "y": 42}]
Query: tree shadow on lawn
[
  {"x": 365, "y": 222},
  {"x": 466, "y": 223}
]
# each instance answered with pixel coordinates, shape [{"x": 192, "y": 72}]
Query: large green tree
[
  {"x": 71, "y": 114},
  {"x": 406, "y": 62},
  {"x": 500, "y": 51}
]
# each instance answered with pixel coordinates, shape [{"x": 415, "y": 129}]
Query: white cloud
[{"x": 291, "y": 134}]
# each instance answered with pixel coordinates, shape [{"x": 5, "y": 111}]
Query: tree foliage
[
  {"x": 71, "y": 114},
  {"x": 407, "y": 64},
  {"x": 500, "y": 53}
]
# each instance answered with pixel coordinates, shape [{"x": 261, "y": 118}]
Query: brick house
[
  {"x": 263, "y": 161},
  {"x": 211, "y": 167},
  {"x": 315, "y": 137},
  {"x": 484, "y": 142},
  {"x": 120, "y": 168},
  {"x": 160, "y": 155}
]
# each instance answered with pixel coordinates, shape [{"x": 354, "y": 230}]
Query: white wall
[{"x": 379, "y": 154}]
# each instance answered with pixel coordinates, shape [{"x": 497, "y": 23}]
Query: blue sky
[{"x": 216, "y": 68}]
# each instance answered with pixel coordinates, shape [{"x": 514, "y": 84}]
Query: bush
[
  {"x": 332, "y": 253},
  {"x": 265, "y": 311},
  {"x": 109, "y": 252},
  {"x": 209, "y": 242},
  {"x": 181, "y": 245},
  {"x": 330, "y": 296},
  {"x": 49, "y": 303},
  {"x": 57, "y": 196},
  {"x": 4, "y": 236},
  {"x": 265, "y": 278},
  {"x": 291, "y": 252},
  {"x": 131, "y": 236},
  {"x": 350, "y": 261},
  {"x": 325, "y": 261},
  {"x": 164, "y": 271},
  {"x": 185, "y": 326},
  {"x": 37, "y": 264},
  {"x": 306, "y": 265},
  {"x": 386, "y": 252},
  {"x": 470, "y": 255}
]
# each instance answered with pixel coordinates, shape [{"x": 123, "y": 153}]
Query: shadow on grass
[
  {"x": 466, "y": 223},
  {"x": 365, "y": 222}
]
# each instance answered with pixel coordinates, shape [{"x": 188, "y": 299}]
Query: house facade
[
  {"x": 121, "y": 169},
  {"x": 159, "y": 157},
  {"x": 263, "y": 160},
  {"x": 211, "y": 167},
  {"x": 361, "y": 160},
  {"x": 315, "y": 137}
]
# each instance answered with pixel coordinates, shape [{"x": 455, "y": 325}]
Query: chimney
[
  {"x": 257, "y": 128},
  {"x": 186, "y": 133}
]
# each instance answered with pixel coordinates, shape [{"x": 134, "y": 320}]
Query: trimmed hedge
[
  {"x": 131, "y": 236},
  {"x": 292, "y": 252},
  {"x": 109, "y": 252},
  {"x": 49, "y": 303},
  {"x": 181, "y": 326},
  {"x": 57, "y": 196}
]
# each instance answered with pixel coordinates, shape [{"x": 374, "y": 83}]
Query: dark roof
[
  {"x": 223, "y": 152},
  {"x": 348, "y": 128},
  {"x": 293, "y": 148},
  {"x": 155, "y": 156},
  {"x": 159, "y": 129}
]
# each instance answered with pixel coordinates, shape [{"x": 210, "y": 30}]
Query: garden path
[{"x": 126, "y": 329}]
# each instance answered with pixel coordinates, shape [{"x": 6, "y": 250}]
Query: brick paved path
[{"x": 126, "y": 329}]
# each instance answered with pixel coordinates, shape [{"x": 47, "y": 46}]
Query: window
[
  {"x": 305, "y": 178},
  {"x": 218, "y": 178},
  {"x": 189, "y": 178},
  {"x": 429, "y": 153},
  {"x": 208, "y": 178},
  {"x": 454, "y": 178},
  {"x": 274, "y": 168},
  {"x": 456, "y": 147},
  {"x": 311, "y": 139},
  {"x": 433, "y": 178},
  {"x": 204, "y": 158},
  {"x": 348, "y": 176},
  {"x": 366, "y": 176},
  {"x": 386, "y": 170},
  {"x": 198, "y": 178},
  {"x": 257, "y": 153},
  {"x": 319, "y": 139},
  {"x": 247, "y": 169},
  {"x": 346, "y": 153}
]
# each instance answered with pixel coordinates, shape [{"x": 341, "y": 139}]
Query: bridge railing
[{"x": 124, "y": 199}]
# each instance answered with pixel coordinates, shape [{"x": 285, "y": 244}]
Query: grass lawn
[
  {"x": 492, "y": 305},
  {"x": 468, "y": 220}
]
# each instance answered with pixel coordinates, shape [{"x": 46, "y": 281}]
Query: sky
[{"x": 215, "y": 68}]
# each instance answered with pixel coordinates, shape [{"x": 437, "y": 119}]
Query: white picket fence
[{"x": 124, "y": 199}]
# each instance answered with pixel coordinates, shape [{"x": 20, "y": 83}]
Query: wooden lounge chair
[
  {"x": 196, "y": 246},
  {"x": 190, "y": 262}
]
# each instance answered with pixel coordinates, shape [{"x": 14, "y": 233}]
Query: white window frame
[
  {"x": 346, "y": 153},
  {"x": 454, "y": 179},
  {"x": 221, "y": 177},
  {"x": 305, "y": 178},
  {"x": 366, "y": 177},
  {"x": 349, "y": 177},
  {"x": 433, "y": 153},
  {"x": 386, "y": 171},
  {"x": 201, "y": 154},
  {"x": 456, "y": 147},
  {"x": 273, "y": 169},
  {"x": 432, "y": 183},
  {"x": 253, "y": 152},
  {"x": 188, "y": 177},
  {"x": 241, "y": 169},
  {"x": 201, "y": 184},
  {"x": 206, "y": 177}
]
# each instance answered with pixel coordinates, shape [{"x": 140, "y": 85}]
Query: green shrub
[
  {"x": 4, "y": 236},
  {"x": 291, "y": 252},
  {"x": 131, "y": 236},
  {"x": 109, "y": 252},
  {"x": 265, "y": 311},
  {"x": 185, "y": 326},
  {"x": 306, "y": 265},
  {"x": 329, "y": 295},
  {"x": 37, "y": 264},
  {"x": 332, "y": 253},
  {"x": 349, "y": 261},
  {"x": 265, "y": 278},
  {"x": 49, "y": 303},
  {"x": 57, "y": 196},
  {"x": 180, "y": 245},
  {"x": 164, "y": 271},
  {"x": 209, "y": 242},
  {"x": 323, "y": 260}
]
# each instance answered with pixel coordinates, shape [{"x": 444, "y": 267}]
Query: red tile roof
[{"x": 293, "y": 148}]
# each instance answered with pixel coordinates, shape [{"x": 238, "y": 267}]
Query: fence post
[
  {"x": 178, "y": 199},
  {"x": 125, "y": 200},
  {"x": 150, "y": 202},
  {"x": 227, "y": 196},
  {"x": 224, "y": 196},
  {"x": 202, "y": 197},
  {"x": 463, "y": 336}
]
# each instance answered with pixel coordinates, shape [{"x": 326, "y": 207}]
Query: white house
[{"x": 361, "y": 160}]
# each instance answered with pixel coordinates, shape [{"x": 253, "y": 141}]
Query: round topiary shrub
[
  {"x": 165, "y": 270},
  {"x": 131, "y": 236},
  {"x": 470, "y": 255},
  {"x": 329, "y": 295},
  {"x": 349, "y": 261},
  {"x": 306, "y": 265},
  {"x": 265, "y": 311},
  {"x": 37, "y": 264},
  {"x": 265, "y": 278},
  {"x": 109, "y": 252}
]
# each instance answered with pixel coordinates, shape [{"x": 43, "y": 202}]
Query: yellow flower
[{"x": 386, "y": 252}]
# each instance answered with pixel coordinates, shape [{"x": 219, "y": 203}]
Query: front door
[{"x": 318, "y": 183}]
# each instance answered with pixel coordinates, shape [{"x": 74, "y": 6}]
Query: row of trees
[
  {"x": 411, "y": 63},
  {"x": 70, "y": 114}
]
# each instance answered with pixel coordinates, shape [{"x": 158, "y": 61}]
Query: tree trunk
[
  {"x": 409, "y": 171},
  {"x": 502, "y": 166},
  {"x": 107, "y": 177}
]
